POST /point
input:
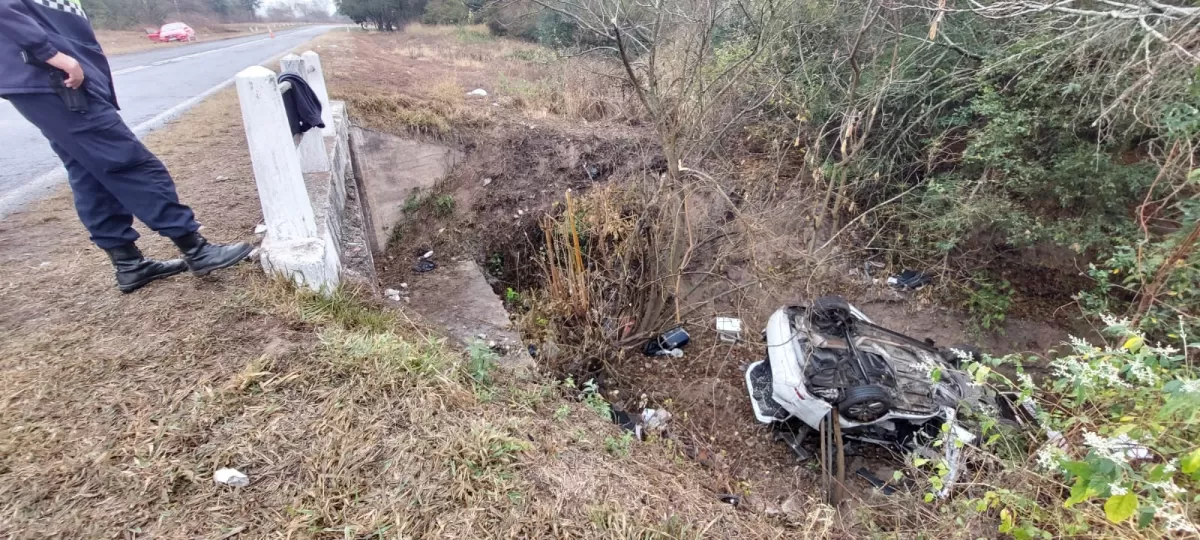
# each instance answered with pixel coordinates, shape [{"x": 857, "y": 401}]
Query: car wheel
[{"x": 864, "y": 404}]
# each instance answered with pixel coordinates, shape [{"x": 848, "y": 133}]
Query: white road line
[
  {"x": 187, "y": 57},
  {"x": 42, "y": 186},
  {"x": 129, "y": 70}
]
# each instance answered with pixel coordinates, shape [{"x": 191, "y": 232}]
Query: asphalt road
[{"x": 152, "y": 87}]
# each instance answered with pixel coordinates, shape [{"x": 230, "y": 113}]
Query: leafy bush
[
  {"x": 988, "y": 304},
  {"x": 446, "y": 12},
  {"x": 594, "y": 400},
  {"x": 444, "y": 205},
  {"x": 527, "y": 21},
  {"x": 1119, "y": 431}
]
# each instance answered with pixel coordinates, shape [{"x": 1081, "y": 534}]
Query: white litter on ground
[
  {"x": 729, "y": 329},
  {"x": 231, "y": 477}
]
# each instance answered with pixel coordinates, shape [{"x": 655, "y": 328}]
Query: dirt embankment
[
  {"x": 547, "y": 128},
  {"x": 349, "y": 421}
]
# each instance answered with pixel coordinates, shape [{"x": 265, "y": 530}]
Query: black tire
[
  {"x": 831, "y": 314},
  {"x": 865, "y": 404}
]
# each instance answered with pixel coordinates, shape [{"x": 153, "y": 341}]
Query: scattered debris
[
  {"x": 674, "y": 353},
  {"x": 729, "y": 329},
  {"x": 261, "y": 228},
  {"x": 231, "y": 477},
  {"x": 392, "y": 294},
  {"x": 403, "y": 285},
  {"x": 487, "y": 181},
  {"x": 794, "y": 440},
  {"x": 478, "y": 92},
  {"x": 655, "y": 419},
  {"x": 424, "y": 264},
  {"x": 870, "y": 477},
  {"x": 730, "y": 499},
  {"x": 622, "y": 418},
  {"x": 667, "y": 343},
  {"x": 909, "y": 280},
  {"x": 233, "y": 532}
]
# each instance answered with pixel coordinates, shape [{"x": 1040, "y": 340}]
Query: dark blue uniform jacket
[{"x": 44, "y": 28}]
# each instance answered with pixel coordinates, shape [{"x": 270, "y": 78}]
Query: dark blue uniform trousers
[{"x": 113, "y": 175}]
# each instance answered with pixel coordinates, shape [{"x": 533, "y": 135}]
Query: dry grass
[
  {"x": 349, "y": 420},
  {"x": 435, "y": 66}
]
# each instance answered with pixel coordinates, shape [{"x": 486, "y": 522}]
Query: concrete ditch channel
[{"x": 391, "y": 173}]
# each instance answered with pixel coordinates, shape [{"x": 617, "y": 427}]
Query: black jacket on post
[{"x": 303, "y": 107}]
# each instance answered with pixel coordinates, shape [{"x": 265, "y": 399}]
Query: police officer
[{"x": 112, "y": 174}]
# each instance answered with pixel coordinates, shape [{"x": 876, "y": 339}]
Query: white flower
[
  {"x": 1117, "y": 449},
  {"x": 1111, "y": 320},
  {"x": 1191, "y": 386},
  {"x": 1049, "y": 457},
  {"x": 961, "y": 354},
  {"x": 1175, "y": 520},
  {"x": 1162, "y": 350},
  {"x": 1116, "y": 489},
  {"x": 1142, "y": 373},
  {"x": 1081, "y": 345},
  {"x": 927, "y": 367},
  {"x": 1088, "y": 375},
  {"x": 1168, "y": 487}
]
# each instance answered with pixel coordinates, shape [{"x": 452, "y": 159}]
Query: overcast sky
[{"x": 268, "y": 3}]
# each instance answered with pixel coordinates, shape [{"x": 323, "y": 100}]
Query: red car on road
[{"x": 175, "y": 31}]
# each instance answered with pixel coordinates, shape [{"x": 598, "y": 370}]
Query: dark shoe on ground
[
  {"x": 202, "y": 257},
  {"x": 135, "y": 271}
]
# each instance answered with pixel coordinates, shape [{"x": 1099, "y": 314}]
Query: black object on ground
[
  {"x": 622, "y": 418},
  {"x": 671, "y": 339},
  {"x": 729, "y": 498},
  {"x": 794, "y": 440},
  {"x": 424, "y": 265},
  {"x": 869, "y": 476},
  {"x": 909, "y": 280}
]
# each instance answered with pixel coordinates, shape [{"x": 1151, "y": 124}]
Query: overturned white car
[{"x": 831, "y": 354}]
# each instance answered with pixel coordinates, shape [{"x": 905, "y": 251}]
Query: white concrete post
[
  {"x": 316, "y": 79},
  {"x": 286, "y": 208},
  {"x": 293, "y": 245},
  {"x": 313, "y": 157}
]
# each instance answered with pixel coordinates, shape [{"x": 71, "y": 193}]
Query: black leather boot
[
  {"x": 202, "y": 257},
  {"x": 134, "y": 271}
]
